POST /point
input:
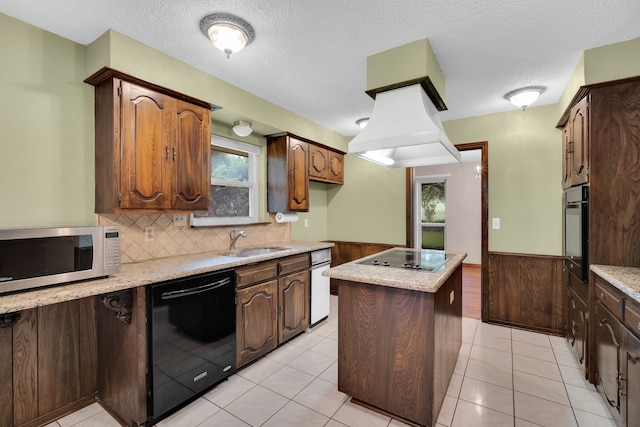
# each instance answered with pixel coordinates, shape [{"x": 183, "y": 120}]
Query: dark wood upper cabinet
[
  {"x": 575, "y": 145},
  {"x": 152, "y": 147},
  {"x": 293, "y": 162},
  {"x": 287, "y": 174}
]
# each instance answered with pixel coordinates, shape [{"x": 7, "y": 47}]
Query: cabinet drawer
[
  {"x": 256, "y": 273},
  {"x": 609, "y": 297},
  {"x": 632, "y": 317},
  {"x": 293, "y": 263}
]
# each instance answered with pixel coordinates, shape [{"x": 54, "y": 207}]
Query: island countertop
[
  {"x": 417, "y": 280},
  {"x": 145, "y": 273}
]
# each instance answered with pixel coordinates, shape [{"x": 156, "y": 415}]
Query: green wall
[
  {"x": 46, "y": 123},
  {"x": 316, "y": 217},
  {"x": 525, "y": 192}
]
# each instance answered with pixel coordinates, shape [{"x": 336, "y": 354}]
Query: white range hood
[{"x": 404, "y": 130}]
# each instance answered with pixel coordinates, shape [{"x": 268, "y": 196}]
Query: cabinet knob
[{"x": 603, "y": 296}]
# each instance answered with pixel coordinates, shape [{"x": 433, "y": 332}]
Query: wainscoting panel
[{"x": 526, "y": 291}]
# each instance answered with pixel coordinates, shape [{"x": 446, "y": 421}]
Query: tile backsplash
[{"x": 171, "y": 240}]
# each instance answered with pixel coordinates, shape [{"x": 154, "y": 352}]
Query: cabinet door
[
  {"x": 294, "y": 305},
  {"x": 336, "y": 167},
  {"x": 189, "y": 154},
  {"x": 145, "y": 150},
  {"x": 580, "y": 142},
  {"x": 567, "y": 157},
  {"x": 631, "y": 366},
  {"x": 6, "y": 376},
  {"x": 256, "y": 321},
  {"x": 298, "y": 175},
  {"x": 609, "y": 347},
  {"x": 318, "y": 162},
  {"x": 577, "y": 327}
]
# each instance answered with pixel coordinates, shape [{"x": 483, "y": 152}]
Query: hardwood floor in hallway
[{"x": 471, "y": 292}]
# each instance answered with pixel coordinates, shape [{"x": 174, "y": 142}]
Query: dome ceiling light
[
  {"x": 242, "y": 128},
  {"x": 525, "y": 96},
  {"x": 362, "y": 123},
  {"x": 227, "y": 32}
]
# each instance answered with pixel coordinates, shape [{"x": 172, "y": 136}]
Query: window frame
[{"x": 253, "y": 153}]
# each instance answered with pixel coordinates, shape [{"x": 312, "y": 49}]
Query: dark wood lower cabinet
[
  {"x": 609, "y": 349},
  {"x": 47, "y": 363},
  {"x": 631, "y": 388},
  {"x": 122, "y": 359},
  {"x": 526, "y": 291},
  {"x": 578, "y": 327},
  {"x": 294, "y": 304},
  {"x": 257, "y": 321}
]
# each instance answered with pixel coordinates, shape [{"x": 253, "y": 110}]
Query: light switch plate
[{"x": 496, "y": 223}]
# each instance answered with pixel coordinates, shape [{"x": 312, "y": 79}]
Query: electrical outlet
[
  {"x": 306, "y": 223},
  {"x": 179, "y": 220},
  {"x": 452, "y": 296},
  {"x": 149, "y": 233}
]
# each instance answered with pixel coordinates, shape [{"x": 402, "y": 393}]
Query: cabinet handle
[
  {"x": 603, "y": 296},
  {"x": 166, "y": 152},
  {"x": 174, "y": 154}
]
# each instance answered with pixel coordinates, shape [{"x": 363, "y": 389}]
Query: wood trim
[
  {"x": 107, "y": 73},
  {"x": 427, "y": 86},
  {"x": 309, "y": 141}
]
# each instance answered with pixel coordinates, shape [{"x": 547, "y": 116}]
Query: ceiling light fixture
[
  {"x": 362, "y": 123},
  {"x": 242, "y": 128},
  {"x": 227, "y": 32},
  {"x": 525, "y": 96}
]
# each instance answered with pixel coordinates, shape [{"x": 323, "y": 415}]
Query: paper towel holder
[{"x": 282, "y": 217}]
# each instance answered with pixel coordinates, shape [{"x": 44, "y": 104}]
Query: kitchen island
[{"x": 399, "y": 332}]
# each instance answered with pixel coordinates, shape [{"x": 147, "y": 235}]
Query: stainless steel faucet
[{"x": 235, "y": 234}]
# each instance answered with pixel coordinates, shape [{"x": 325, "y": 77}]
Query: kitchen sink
[{"x": 247, "y": 252}]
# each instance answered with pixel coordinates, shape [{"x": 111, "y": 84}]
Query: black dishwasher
[{"x": 192, "y": 339}]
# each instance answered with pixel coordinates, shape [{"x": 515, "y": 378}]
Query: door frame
[{"x": 484, "y": 190}]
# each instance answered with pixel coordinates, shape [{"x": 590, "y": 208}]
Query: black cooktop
[{"x": 424, "y": 260}]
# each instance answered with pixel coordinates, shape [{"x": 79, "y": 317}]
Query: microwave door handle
[{"x": 194, "y": 291}]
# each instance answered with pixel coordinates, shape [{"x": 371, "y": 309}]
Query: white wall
[{"x": 464, "y": 208}]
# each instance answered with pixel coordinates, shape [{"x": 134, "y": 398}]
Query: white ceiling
[{"x": 310, "y": 56}]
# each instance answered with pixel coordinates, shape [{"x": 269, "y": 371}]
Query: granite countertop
[
  {"x": 148, "y": 272},
  {"x": 416, "y": 280},
  {"x": 627, "y": 279}
]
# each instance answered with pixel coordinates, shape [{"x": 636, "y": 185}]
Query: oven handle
[{"x": 194, "y": 291}]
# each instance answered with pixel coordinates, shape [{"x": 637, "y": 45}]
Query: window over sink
[{"x": 234, "y": 184}]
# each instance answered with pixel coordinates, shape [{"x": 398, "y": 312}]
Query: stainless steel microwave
[{"x": 36, "y": 257}]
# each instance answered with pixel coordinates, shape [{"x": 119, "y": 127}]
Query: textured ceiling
[{"x": 310, "y": 56}]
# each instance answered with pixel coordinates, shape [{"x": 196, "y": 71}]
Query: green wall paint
[
  {"x": 407, "y": 62},
  {"x": 317, "y": 215},
  {"x": 370, "y": 206},
  {"x": 134, "y": 58},
  {"x": 612, "y": 62},
  {"x": 524, "y": 176},
  {"x": 46, "y": 117}
]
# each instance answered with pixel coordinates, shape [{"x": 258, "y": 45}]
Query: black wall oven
[
  {"x": 576, "y": 232},
  {"x": 192, "y": 325}
]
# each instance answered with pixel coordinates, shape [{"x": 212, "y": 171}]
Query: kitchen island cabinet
[{"x": 399, "y": 334}]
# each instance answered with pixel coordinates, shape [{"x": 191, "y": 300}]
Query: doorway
[{"x": 475, "y": 275}]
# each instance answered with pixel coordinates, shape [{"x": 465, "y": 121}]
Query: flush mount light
[
  {"x": 242, "y": 128},
  {"x": 525, "y": 96},
  {"x": 362, "y": 123},
  {"x": 227, "y": 32}
]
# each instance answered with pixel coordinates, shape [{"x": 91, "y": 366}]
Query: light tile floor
[{"x": 504, "y": 377}]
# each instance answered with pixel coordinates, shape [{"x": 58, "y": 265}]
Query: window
[
  {"x": 431, "y": 203},
  {"x": 234, "y": 184}
]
